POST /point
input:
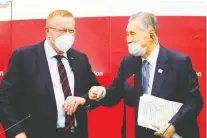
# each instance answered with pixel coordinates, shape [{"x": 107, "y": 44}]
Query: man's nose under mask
[{"x": 136, "y": 49}]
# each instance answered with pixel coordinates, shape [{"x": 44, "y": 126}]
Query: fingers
[
  {"x": 100, "y": 91},
  {"x": 166, "y": 135},
  {"x": 93, "y": 93},
  {"x": 96, "y": 92},
  {"x": 164, "y": 131},
  {"x": 158, "y": 133},
  {"x": 65, "y": 106},
  {"x": 93, "y": 96},
  {"x": 72, "y": 103},
  {"x": 75, "y": 106},
  {"x": 156, "y": 126},
  {"x": 169, "y": 131}
]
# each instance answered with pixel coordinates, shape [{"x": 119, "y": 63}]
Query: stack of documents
[{"x": 156, "y": 111}]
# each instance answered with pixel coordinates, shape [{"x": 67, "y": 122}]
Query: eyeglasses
[{"x": 63, "y": 30}]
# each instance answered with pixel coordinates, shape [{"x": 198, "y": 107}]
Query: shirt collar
[
  {"x": 50, "y": 52},
  {"x": 152, "y": 58}
]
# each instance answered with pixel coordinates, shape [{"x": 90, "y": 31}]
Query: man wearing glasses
[{"x": 47, "y": 84}]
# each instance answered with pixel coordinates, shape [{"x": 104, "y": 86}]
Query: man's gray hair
[{"x": 146, "y": 20}]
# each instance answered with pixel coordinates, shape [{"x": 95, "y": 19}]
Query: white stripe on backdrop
[{"x": 39, "y": 9}]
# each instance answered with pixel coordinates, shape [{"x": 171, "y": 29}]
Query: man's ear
[{"x": 152, "y": 34}]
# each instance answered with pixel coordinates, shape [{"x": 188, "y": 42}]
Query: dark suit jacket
[
  {"x": 178, "y": 82},
  {"x": 26, "y": 89}
]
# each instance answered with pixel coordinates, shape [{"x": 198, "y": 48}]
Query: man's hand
[
  {"x": 96, "y": 93},
  {"x": 72, "y": 103},
  {"x": 162, "y": 129},
  {"x": 21, "y": 135}
]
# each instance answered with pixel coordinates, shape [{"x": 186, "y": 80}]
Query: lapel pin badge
[{"x": 160, "y": 70}]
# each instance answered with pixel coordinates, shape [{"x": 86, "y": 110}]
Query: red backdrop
[{"x": 103, "y": 40}]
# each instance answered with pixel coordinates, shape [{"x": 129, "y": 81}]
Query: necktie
[
  {"x": 70, "y": 119},
  {"x": 145, "y": 75}
]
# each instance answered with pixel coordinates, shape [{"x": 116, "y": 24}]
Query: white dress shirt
[{"x": 59, "y": 95}]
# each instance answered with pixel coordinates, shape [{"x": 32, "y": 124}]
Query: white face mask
[
  {"x": 64, "y": 42},
  {"x": 136, "y": 49}
]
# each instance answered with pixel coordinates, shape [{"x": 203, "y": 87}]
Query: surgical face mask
[
  {"x": 136, "y": 49},
  {"x": 64, "y": 42}
]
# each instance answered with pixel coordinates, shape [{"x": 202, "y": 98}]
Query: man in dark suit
[
  {"x": 157, "y": 71},
  {"x": 47, "y": 84}
]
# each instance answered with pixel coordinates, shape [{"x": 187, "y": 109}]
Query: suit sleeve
[
  {"x": 121, "y": 89},
  {"x": 92, "y": 81},
  {"x": 9, "y": 87},
  {"x": 130, "y": 95},
  {"x": 114, "y": 92},
  {"x": 193, "y": 101}
]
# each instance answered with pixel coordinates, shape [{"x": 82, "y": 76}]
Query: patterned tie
[
  {"x": 70, "y": 119},
  {"x": 145, "y": 75}
]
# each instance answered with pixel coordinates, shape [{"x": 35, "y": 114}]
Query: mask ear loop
[{"x": 50, "y": 39}]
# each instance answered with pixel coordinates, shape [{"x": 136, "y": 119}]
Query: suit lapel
[
  {"x": 134, "y": 70},
  {"x": 138, "y": 74},
  {"x": 44, "y": 71},
  {"x": 138, "y": 84},
  {"x": 160, "y": 71}
]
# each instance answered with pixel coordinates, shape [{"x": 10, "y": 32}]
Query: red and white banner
[{"x": 101, "y": 35}]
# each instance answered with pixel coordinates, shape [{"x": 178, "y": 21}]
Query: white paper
[{"x": 157, "y": 111}]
